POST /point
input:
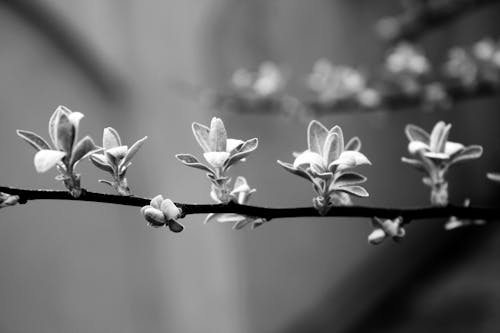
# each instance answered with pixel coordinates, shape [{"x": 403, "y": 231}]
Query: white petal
[
  {"x": 351, "y": 158},
  {"x": 216, "y": 158},
  {"x": 308, "y": 157},
  {"x": 452, "y": 147},
  {"x": 415, "y": 146},
  {"x": 170, "y": 210},
  {"x": 156, "y": 201},
  {"x": 46, "y": 159}
]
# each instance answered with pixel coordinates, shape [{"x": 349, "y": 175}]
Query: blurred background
[{"x": 87, "y": 267}]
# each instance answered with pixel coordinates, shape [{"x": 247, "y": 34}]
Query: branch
[
  {"x": 425, "y": 16},
  {"x": 408, "y": 214}
]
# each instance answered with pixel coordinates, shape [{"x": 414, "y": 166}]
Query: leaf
[
  {"x": 234, "y": 145},
  {"x": 333, "y": 150},
  {"x": 358, "y": 191},
  {"x": 299, "y": 172},
  {"x": 175, "y": 226},
  {"x": 494, "y": 176},
  {"x": 436, "y": 134},
  {"x": 191, "y": 161},
  {"x": 34, "y": 140},
  {"x": 46, "y": 159},
  {"x": 101, "y": 162},
  {"x": 308, "y": 158},
  {"x": 82, "y": 149},
  {"x": 65, "y": 134},
  {"x": 414, "y": 163},
  {"x": 217, "y": 137},
  {"x": 348, "y": 178},
  {"x": 349, "y": 159},
  {"x": 443, "y": 139},
  {"x": 54, "y": 118},
  {"x": 415, "y": 133},
  {"x": 316, "y": 136},
  {"x": 156, "y": 201},
  {"x": 468, "y": 153},
  {"x": 416, "y": 146},
  {"x": 133, "y": 150},
  {"x": 110, "y": 138},
  {"x": 201, "y": 135},
  {"x": 107, "y": 182},
  {"x": 353, "y": 144},
  {"x": 248, "y": 147},
  {"x": 118, "y": 152},
  {"x": 217, "y": 159}
]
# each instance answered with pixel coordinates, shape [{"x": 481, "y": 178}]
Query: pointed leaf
[
  {"x": 34, "y": 140},
  {"x": 82, "y": 149},
  {"x": 353, "y": 144},
  {"x": 307, "y": 158},
  {"x": 133, "y": 150},
  {"x": 201, "y": 135},
  {"x": 358, "y": 191},
  {"x": 193, "y": 162},
  {"x": 65, "y": 134},
  {"x": 442, "y": 140},
  {"x": 331, "y": 149},
  {"x": 415, "y": 133},
  {"x": 234, "y": 145},
  {"x": 107, "y": 182},
  {"x": 46, "y": 159},
  {"x": 101, "y": 162},
  {"x": 349, "y": 178},
  {"x": 217, "y": 137},
  {"x": 299, "y": 172},
  {"x": 110, "y": 138},
  {"x": 316, "y": 136},
  {"x": 248, "y": 147},
  {"x": 468, "y": 153},
  {"x": 349, "y": 159},
  {"x": 414, "y": 163},
  {"x": 54, "y": 118},
  {"x": 436, "y": 134}
]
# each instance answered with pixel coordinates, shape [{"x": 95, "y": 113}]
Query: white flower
[{"x": 162, "y": 212}]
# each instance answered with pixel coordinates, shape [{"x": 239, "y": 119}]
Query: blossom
[
  {"x": 240, "y": 194},
  {"x": 269, "y": 80},
  {"x": 66, "y": 151},
  {"x": 115, "y": 159},
  {"x": 406, "y": 59},
  {"x": 325, "y": 164},
  {"x": 162, "y": 212}
]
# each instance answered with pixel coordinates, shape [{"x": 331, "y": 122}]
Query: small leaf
[
  {"x": 110, "y": 138},
  {"x": 201, "y": 135},
  {"x": 349, "y": 178},
  {"x": 46, "y": 159},
  {"x": 353, "y": 144},
  {"x": 349, "y": 159},
  {"x": 415, "y": 133},
  {"x": 118, "y": 152},
  {"x": 54, "y": 118},
  {"x": 306, "y": 158},
  {"x": 234, "y": 145},
  {"x": 299, "y": 172},
  {"x": 416, "y": 146},
  {"x": 34, "y": 140},
  {"x": 316, "y": 136},
  {"x": 217, "y": 137},
  {"x": 82, "y": 149},
  {"x": 436, "y": 134},
  {"x": 65, "y": 134},
  {"x": 468, "y": 153},
  {"x": 248, "y": 147},
  {"x": 101, "y": 162},
  {"x": 175, "y": 226},
  {"x": 414, "y": 163},
  {"x": 104, "y": 181},
  {"x": 133, "y": 150},
  {"x": 331, "y": 149},
  {"x": 442, "y": 140},
  {"x": 358, "y": 191},
  {"x": 216, "y": 158},
  {"x": 191, "y": 161},
  {"x": 494, "y": 176}
]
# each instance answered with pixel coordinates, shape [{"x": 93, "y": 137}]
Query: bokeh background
[{"x": 86, "y": 267}]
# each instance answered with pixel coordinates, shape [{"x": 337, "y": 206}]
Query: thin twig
[{"x": 408, "y": 214}]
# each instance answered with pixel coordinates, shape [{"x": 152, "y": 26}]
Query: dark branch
[
  {"x": 408, "y": 214},
  {"x": 425, "y": 16}
]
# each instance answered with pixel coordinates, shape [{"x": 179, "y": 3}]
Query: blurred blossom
[
  {"x": 407, "y": 59},
  {"x": 333, "y": 83},
  {"x": 461, "y": 66},
  {"x": 269, "y": 80},
  {"x": 435, "y": 95}
]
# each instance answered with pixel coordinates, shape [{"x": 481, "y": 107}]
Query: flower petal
[
  {"x": 110, "y": 138},
  {"x": 34, "y": 140},
  {"x": 217, "y": 137},
  {"x": 415, "y": 133},
  {"x": 46, "y": 159},
  {"x": 153, "y": 216},
  {"x": 170, "y": 210},
  {"x": 307, "y": 158},
  {"x": 216, "y": 158},
  {"x": 156, "y": 201},
  {"x": 316, "y": 136},
  {"x": 201, "y": 135}
]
